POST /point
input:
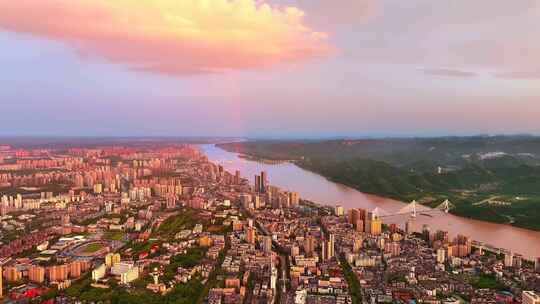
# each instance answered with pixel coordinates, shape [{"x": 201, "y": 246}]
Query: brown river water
[{"x": 318, "y": 189}]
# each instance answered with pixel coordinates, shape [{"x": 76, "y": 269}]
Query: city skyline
[
  {"x": 271, "y": 69},
  {"x": 160, "y": 222}
]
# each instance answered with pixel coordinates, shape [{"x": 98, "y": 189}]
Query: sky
[{"x": 274, "y": 68}]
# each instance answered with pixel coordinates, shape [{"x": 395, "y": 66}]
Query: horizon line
[{"x": 268, "y": 137}]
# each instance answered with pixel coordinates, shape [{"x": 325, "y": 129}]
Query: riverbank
[
  {"x": 463, "y": 206},
  {"x": 381, "y": 179},
  {"x": 314, "y": 187},
  {"x": 265, "y": 160}
]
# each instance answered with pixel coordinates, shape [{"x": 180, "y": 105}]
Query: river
[{"x": 318, "y": 189}]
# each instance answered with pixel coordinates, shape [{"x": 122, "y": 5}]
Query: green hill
[{"x": 488, "y": 178}]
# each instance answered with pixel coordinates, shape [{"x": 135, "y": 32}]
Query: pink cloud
[{"x": 172, "y": 37}]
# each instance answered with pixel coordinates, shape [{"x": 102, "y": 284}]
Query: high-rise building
[
  {"x": 376, "y": 226},
  {"x": 99, "y": 272},
  {"x": 75, "y": 269},
  {"x": 256, "y": 202},
  {"x": 509, "y": 259},
  {"x": 426, "y": 233},
  {"x": 443, "y": 236},
  {"x": 327, "y": 249},
  {"x": 351, "y": 216},
  {"x": 245, "y": 200},
  {"x": 452, "y": 251},
  {"x": 367, "y": 225},
  {"x": 12, "y": 274},
  {"x": 85, "y": 265},
  {"x": 36, "y": 274},
  {"x": 359, "y": 226},
  {"x": 441, "y": 255},
  {"x": 309, "y": 244},
  {"x": 463, "y": 243},
  {"x": 58, "y": 273},
  {"x": 273, "y": 276},
  {"x": 258, "y": 183},
  {"x": 129, "y": 276},
  {"x": 517, "y": 261},
  {"x": 237, "y": 177},
  {"x": 251, "y": 235},
  {"x": 98, "y": 188},
  {"x": 393, "y": 248},
  {"x": 339, "y": 211},
  {"x": 111, "y": 259},
  {"x": 267, "y": 243},
  {"x": 269, "y": 197},
  {"x": 324, "y": 250},
  {"x": 357, "y": 244},
  {"x": 381, "y": 242},
  {"x": 530, "y": 297},
  {"x": 331, "y": 245},
  {"x": 294, "y": 199},
  {"x": 264, "y": 182},
  {"x": 357, "y": 217},
  {"x": 284, "y": 201},
  {"x": 126, "y": 271},
  {"x": 171, "y": 201},
  {"x": 120, "y": 268}
]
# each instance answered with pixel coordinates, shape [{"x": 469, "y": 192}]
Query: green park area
[
  {"x": 352, "y": 281},
  {"x": 186, "y": 219},
  {"x": 485, "y": 281},
  {"x": 191, "y": 292}
]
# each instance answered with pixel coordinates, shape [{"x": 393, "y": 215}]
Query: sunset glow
[
  {"x": 269, "y": 151},
  {"x": 270, "y": 68},
  {"x": 174, "y": 37}
]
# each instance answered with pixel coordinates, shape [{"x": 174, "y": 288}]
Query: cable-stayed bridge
[{"x": 414, "y": 208}]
